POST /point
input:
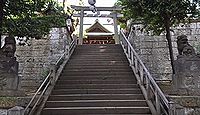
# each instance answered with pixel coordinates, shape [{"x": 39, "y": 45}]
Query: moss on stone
[{"x": 7, "y": 102}]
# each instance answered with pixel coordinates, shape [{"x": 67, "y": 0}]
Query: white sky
[
  {"x": 91, "y": 20},
  {"x": 105, "y": 3}
]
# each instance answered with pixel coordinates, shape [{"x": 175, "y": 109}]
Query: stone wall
[
  {"x": 154, "y": 51},
  {"x": 35, "y": 58}
]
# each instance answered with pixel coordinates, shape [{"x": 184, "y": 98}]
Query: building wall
[
  {"x": 154, "y": 51},
  {"x": 34, "y": 59}
]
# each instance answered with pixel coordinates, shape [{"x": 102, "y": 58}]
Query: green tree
[
  {"x": 30, "y": 18},
  {"x": 159, "y": 15}
]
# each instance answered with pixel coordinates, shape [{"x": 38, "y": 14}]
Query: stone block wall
[
  {"x": 154, "y": 51},
  {"x": 35, "y": 58}
]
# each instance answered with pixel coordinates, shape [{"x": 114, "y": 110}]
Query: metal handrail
[
  {"x": 155, "y": 97},
  {"x": 49, "y": 80}
]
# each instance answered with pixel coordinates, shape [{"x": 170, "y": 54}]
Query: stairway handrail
[
  {"x": 145, "y": 80},
  {"x": 50, "y": 79}
]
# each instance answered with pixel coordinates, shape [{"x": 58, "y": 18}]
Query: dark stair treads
[
  {"x": 97, "y": 80},
  {"x": 95, "y": 110},
  {"x": 96, "y": 97},
  {"x": 95, "y": 86},
  {"x": 98, "y": 77},
  {"x": 97, "y": 91},
  {"x": 97, "y": 103}
]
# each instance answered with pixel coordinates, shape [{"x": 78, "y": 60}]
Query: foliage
[
  {"x": 159, "y": 15},
  {"x": 153, "y": 13},
  {"x": 31, "y": 18}
]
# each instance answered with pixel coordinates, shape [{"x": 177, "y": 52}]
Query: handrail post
[
  {"x": 157, "y": 102},
  {"x": 136, "y": 64},
  {"x": 132, "y": 59},
  {"x": 53, "y": 75},
  {"x": 67, "y": 48},
  {"x": 172, "y": 108},
  {"x": 141, "y": 73},
  {"x": 148, "y": 88}
]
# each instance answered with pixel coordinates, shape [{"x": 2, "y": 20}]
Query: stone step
[
  {"x": 96, "y": 110},
  {"x": 97, "y": 91},
  {"x": 84, "y": 70},
  {"x": 96, "y": 67},
  {"x": 99, "y": 77},
  {"x": 98, "y": 54},
  {"x": 96, "y": 103},
  {"x": 95, "y": 86},
  {"x": 96, "y": 73},
  {"x": 99, "y": 46},
  {"x": 97, "y": 80},
  {"x": 104, "y": 81},
  {"x": 97, "y": 61},
  {"x": 92, "y": 59},
  {"x": 71, "y": 97}
]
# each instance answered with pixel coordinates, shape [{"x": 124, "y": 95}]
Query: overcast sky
[{"x": 107, "y": 3}]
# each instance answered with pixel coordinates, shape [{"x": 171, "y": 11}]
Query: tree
[
  {"x": 30, "y": 18},
  {"x": 159, "y": 15}
]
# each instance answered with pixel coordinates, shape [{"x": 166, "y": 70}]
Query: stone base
[
  {"x": 187, "y": 77},
  {"x": 190, "y": 104}
]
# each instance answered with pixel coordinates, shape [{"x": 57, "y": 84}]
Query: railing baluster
[
  {"x": 141, "y": 74},
  {"x": 136, "y": 64},
  {"x": 53, "y": 75},
  {"x": 132, "y": 59},
  {"x": 129, "y": 50},
  {"x": 157, "y": 102},
  {"x": 145, "y": 80},
  {"x": 148, "y": 88},
  {"x": 49, "y": 80}
]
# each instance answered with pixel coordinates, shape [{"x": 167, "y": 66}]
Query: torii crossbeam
[{"x": 113, "y": 9}]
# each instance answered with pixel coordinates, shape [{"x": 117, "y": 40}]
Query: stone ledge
[{"x": 187, "y": 101}]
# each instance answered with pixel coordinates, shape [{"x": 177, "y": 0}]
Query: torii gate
[{"x": 114, "y": 15}]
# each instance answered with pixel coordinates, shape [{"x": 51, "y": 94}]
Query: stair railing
[
  {"x": 156, "y": 99},
  {"x": 50, "y": 79}
]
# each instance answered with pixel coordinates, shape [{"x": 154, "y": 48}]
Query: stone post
[
  {"x": 116, "y": 36},
  {"x": 16, "y": 111},
  {"x": 81, "y": 28}
]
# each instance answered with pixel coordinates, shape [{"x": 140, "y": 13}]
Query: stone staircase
[{"x": 96, "y": 80}]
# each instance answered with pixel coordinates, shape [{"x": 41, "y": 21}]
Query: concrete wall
[
  {"x": 35, "y": 58},
  {"x": 154, "y": 52}
]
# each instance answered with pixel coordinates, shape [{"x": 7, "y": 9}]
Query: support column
[
  {"x": 116, "y": 36},
  {"x": 81, "y": 28}
]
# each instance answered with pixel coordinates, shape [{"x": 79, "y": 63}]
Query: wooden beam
[{"x": 86, "y": 8}]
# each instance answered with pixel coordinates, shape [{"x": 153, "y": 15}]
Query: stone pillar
[
  {"x": 116, "y": 36},
  {"x": 187, "y": 77},
  {"x": 81, "y": 28},
  {"x": 16, "y": 111}
]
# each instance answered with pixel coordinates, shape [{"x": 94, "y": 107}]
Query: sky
[
  {"x": 107, "y": 22},
  {"x": 106, "y": 3}
]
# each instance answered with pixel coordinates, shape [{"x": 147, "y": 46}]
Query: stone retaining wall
[
  {"x": 154, "y": 51},
  {"x": 35, "y": 58}
]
